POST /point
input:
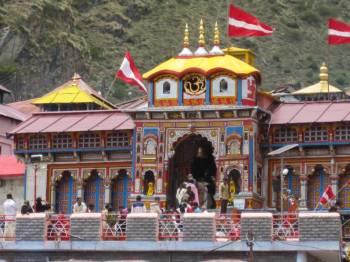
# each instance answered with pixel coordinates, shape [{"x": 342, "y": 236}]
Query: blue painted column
[
  {"x": 251, "y": 164},
  {"x": 239, "y": 92},
  {"x": 207, "y": 92},
  {"x": 133, "y": 154},
  {"x": 180, "y": 93},
  {"x": 151, "y": 94}
]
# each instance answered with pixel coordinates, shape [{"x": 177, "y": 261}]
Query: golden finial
[
  {"x": 186, "y": 37},
  {"x": 75, "y": 78},
  {"x": 201, "y": 40},
  {"x": 324, "y": 73},
  {"x": 216, "y": 35}
]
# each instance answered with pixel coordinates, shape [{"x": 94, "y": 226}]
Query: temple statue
[
  {"x": 150, "y": 189},
  {"x": 232, "y": 188}
]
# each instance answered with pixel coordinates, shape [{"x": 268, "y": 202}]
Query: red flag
[
  {"x": 129, "y": 73},
  {"x": 327, "y": 196},
  {"x": 338, "y": 32},
  {"x": 240, "y": 23}
]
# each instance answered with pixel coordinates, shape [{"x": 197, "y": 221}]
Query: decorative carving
[
  {"x": 150, "y": 147},
  {"x": 194, "y": 84}
]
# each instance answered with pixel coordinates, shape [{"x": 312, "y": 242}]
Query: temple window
[
  {"x": 38, "y": 141},
  {"x": 118, "y": 139},
  {"x": 20, "y": 142},
  {"x": 285, "y": 135},
  {"x": 342, "y": 133},
  {"x": 150, "y": 147},
  {"x": 316, "y": 133},
  {"x": 62, "y": 141},
  {"x": 166, "y": 87},
  {"x": 89, "y": 140},
  {"x": 223, "y": 86}
]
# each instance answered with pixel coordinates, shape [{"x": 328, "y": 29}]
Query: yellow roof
[
  {"x": 74, "y": 91},
  {"x": 202, "y": 64},
  {"x": 321, "y": 87}
]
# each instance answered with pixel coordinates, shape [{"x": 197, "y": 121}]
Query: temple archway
[
  {"x": 66, "y": 193},
  {"x": 193, "y": 154},
  {"x": 119, "y": 185}
]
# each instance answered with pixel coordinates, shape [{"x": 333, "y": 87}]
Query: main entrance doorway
[{"x": 193, "y": 155}]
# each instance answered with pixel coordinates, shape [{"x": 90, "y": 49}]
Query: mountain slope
[{"x": 43, "y": 42}]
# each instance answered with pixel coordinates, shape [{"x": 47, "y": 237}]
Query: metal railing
[
  {"x": 7, "y": 228},
  {"x": 285, "y": 227},
  {"x": 58, "y": 227},
  {"x": 228, "y": 227},
  {"x": 170, "y": 227},
  {"x": 113, "y": 227}
]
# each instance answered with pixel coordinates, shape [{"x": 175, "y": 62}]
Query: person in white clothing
[
  {"x": 79, "y": 206},
  {"x": 10, "y": 210}
]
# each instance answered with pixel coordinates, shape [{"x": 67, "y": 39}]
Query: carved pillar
[
  {"x": 108, "y": 192},
  {"x": 334, "y": 183},
  {"x": 53, "y": 195},
  {"x": 303, "y": 191}
]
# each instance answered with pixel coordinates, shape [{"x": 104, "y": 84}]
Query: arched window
[
  {"x": 37, "y": 141},
  {"x": 285, "y": 135},
  {"x": 316, "y": 133},
  {"x": 223, "y": 86},
  {"x": 166, "y": 87},
  {"x": 62, "y": 141},
  {"x": 342, "y": 132},
  {"x": 150, "y": 147},
  {"x": 118, "y": 139},
  {"x": 89, "y": 140},
  {"x": 233, "y": 147}
]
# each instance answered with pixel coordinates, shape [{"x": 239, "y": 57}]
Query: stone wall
[
  {"x": 30, "y": 227},
  {"x": 199, "y": 227},
  {"x": 319, "y": 226},
  {"x": 86, "y": 226},
  {"x": 259, "y": 223},
  {"x": 142, "y": 227}
]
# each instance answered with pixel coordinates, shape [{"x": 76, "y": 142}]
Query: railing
[
  {"x": 285, "y": 227},
  {"x": 346, "y": 227},
  {"x": 7, "y": 228},
  {"x": 58, "y": 227},
  {"x": 170, "y": 227},
  {"x": 113, "y": 227},
  {"x": 228, "y": 227}
]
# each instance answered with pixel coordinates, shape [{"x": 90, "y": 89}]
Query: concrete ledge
[
  {"x": 86, "y": 215},
  {"x": 31, "y": 216},
  {"x": 256, "y": 215},
  {"x": 146, "y": 215},
  {"x": 199, "y": 215},
  {"x": 319, "y": 215}
]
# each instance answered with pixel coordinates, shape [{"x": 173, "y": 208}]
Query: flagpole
[
  {"x": 110, "y": 87},
  {"x": 328, "y": 65}
]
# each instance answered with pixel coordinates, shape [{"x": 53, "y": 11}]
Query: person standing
[
  {"x": 79, "y": 206},
  {"x": 10, "y": 210},
  {"x": 138, "y": 206},
  {"x": 224, "y": 195}
]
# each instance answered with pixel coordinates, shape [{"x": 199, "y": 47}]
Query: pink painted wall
[{"x": 6, "y": 124}]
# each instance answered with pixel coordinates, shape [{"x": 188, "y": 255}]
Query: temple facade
[{"x": 203, "y": 118}]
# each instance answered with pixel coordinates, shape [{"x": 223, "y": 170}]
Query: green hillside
[{"x": 43, "y": 42}]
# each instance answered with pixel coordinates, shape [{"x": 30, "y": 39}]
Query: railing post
[
  {"x": 199, "y": 227},
  {"x": 85, "y": 226},
  {"x": 259, "y": 223},
  {"x": 30, "y": 227},
  {"x": 142, "y": 227}
]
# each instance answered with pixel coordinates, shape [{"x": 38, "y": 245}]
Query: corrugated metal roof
[
  {"x": 10, "y": 112},
  {"x": 75, "y": 121},
  {"x": 11, "y": 166},
  {"x": 4, "y": 89},
  {"x": 311, "y": 112}
]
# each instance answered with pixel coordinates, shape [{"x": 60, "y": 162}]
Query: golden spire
[
  {"x": 216, "y": 35},
  {"x": 186, "y": 37},
  {"x": 201, "y": 40},
  {"x": 324, "y": 76}
]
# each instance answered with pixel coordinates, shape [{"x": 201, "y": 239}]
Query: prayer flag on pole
[
  {"x": 241, "y": 23},
  {"x": 129, "y": 73},
  {"x": 327, "y": 196},
  {"x": 338, "y": 32}
]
